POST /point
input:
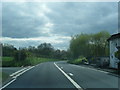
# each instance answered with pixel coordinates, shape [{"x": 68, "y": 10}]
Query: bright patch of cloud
[
  {"x": 25, "y": 42},
  {"x": 49, "y": 25}
]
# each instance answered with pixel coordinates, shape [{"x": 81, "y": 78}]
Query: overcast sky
[{"x": 32, "y": 23}]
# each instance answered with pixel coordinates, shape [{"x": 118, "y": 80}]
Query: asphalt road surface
[
  {"x": 63, "y": 75},
  {"x": 10, "y": 70}
]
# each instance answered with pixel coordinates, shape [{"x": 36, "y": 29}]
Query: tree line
[
  {"x": 89, "y": 45},
  {"x": 86, "y": 45},
  {"x": 44, "y": 50}
]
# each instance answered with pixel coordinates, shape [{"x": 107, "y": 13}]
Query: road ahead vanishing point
[{"x": 63, "y": 75}]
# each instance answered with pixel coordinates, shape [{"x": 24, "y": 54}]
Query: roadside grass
[
  {"x": 35, "y": 60},
  {"x": 3, "y": 77},
  {"x": 78, "y": 61},
  {"x": 28, "y": 62},
  {"x": 7, "y": 58}
]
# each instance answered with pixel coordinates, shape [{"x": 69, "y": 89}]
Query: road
[{"x": 49, "y": 75}]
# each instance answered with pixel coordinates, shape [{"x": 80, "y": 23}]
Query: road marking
[
  {"x": 36, "y": 65},
  {"x": 17, "y": 72},
  {"x": 23, "y": 72},
  {"x": 7, "y": 84},
  {"x": 70, "y": 74},
  {"x": 16, "y": 77},
  {"x": 62, "y": 67},
  {"x": 69, "y": 78}
]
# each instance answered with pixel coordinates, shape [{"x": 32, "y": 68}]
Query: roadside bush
[
  {"x": 80, "y": 60},
  {"x": 7, "y": 58},
  {"x": 92, "y": 60},
  {"x": 8, "y": 63},
  {"x": 117, "y": 54},
  {"x": 20, "y": 55}
]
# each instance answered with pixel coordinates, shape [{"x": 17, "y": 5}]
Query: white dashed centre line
[
  {"x": 70, "y": 74},
  {"x": 69, "y": 78}
]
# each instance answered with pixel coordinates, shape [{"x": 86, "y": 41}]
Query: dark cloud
[
  {"x": 74, "y": 18},
  {"x": 60, "y": 19},
  {"x": 19, "y": 22}
]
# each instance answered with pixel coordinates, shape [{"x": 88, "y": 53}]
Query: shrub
[
  {"x": 7, "y": 58},
  {"x": 80, "y": 60},
  {"x": 20, "y": 55},
  {"x": 117, "y": 54}
]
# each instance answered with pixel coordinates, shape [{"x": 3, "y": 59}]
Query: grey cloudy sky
[{"x": 32, "y": 23}]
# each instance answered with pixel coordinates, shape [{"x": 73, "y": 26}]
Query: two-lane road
[
  {"x": 48, "y": 75},
  {"x": 90, "y": 78}
]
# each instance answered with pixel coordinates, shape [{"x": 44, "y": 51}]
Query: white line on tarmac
[
  {"x": 70, "y": 74},
  {"x": 17, "y": 72},
  {"x": 69, "y": 78},
  {"x": 62, "y": 67},
  {"x": 16, "y": 77},
  {"x": 7, "y": 84},
  {"x": 23, "y": 72}
]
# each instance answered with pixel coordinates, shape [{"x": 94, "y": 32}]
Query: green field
[
  {"x": 9, "y": 62},
  {"x": 35, "y": 60},
  {"x": 7, "y": 58}
]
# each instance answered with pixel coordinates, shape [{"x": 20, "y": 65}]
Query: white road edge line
[
  {"x": 23, "y": 72},
  {"x": 62, "y": 67},
  {"x": 69, "y": 78},
  {"x": 7, "y": 84},
  {"x": 16, "y": 77},
  {"x": 17, "y": 72}
]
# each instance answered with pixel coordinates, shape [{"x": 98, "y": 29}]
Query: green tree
[
  {"x": 117, "y": 54},
  {"x": 45, "y": 49},
  {"x": 8, "y": 50},
  {"x": 79, "y": 45},
  {"x": 90, "y": 45},
  {"x": 100, "y": 44},
  {"x": 20, "y": 55}
]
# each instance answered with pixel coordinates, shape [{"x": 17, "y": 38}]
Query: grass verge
[
  {"x": 7, "y": 58},
  {"x": 80, "y": 60},
  {"x": 28, "y": 62},
  {"x": 3, "y": 77}
]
